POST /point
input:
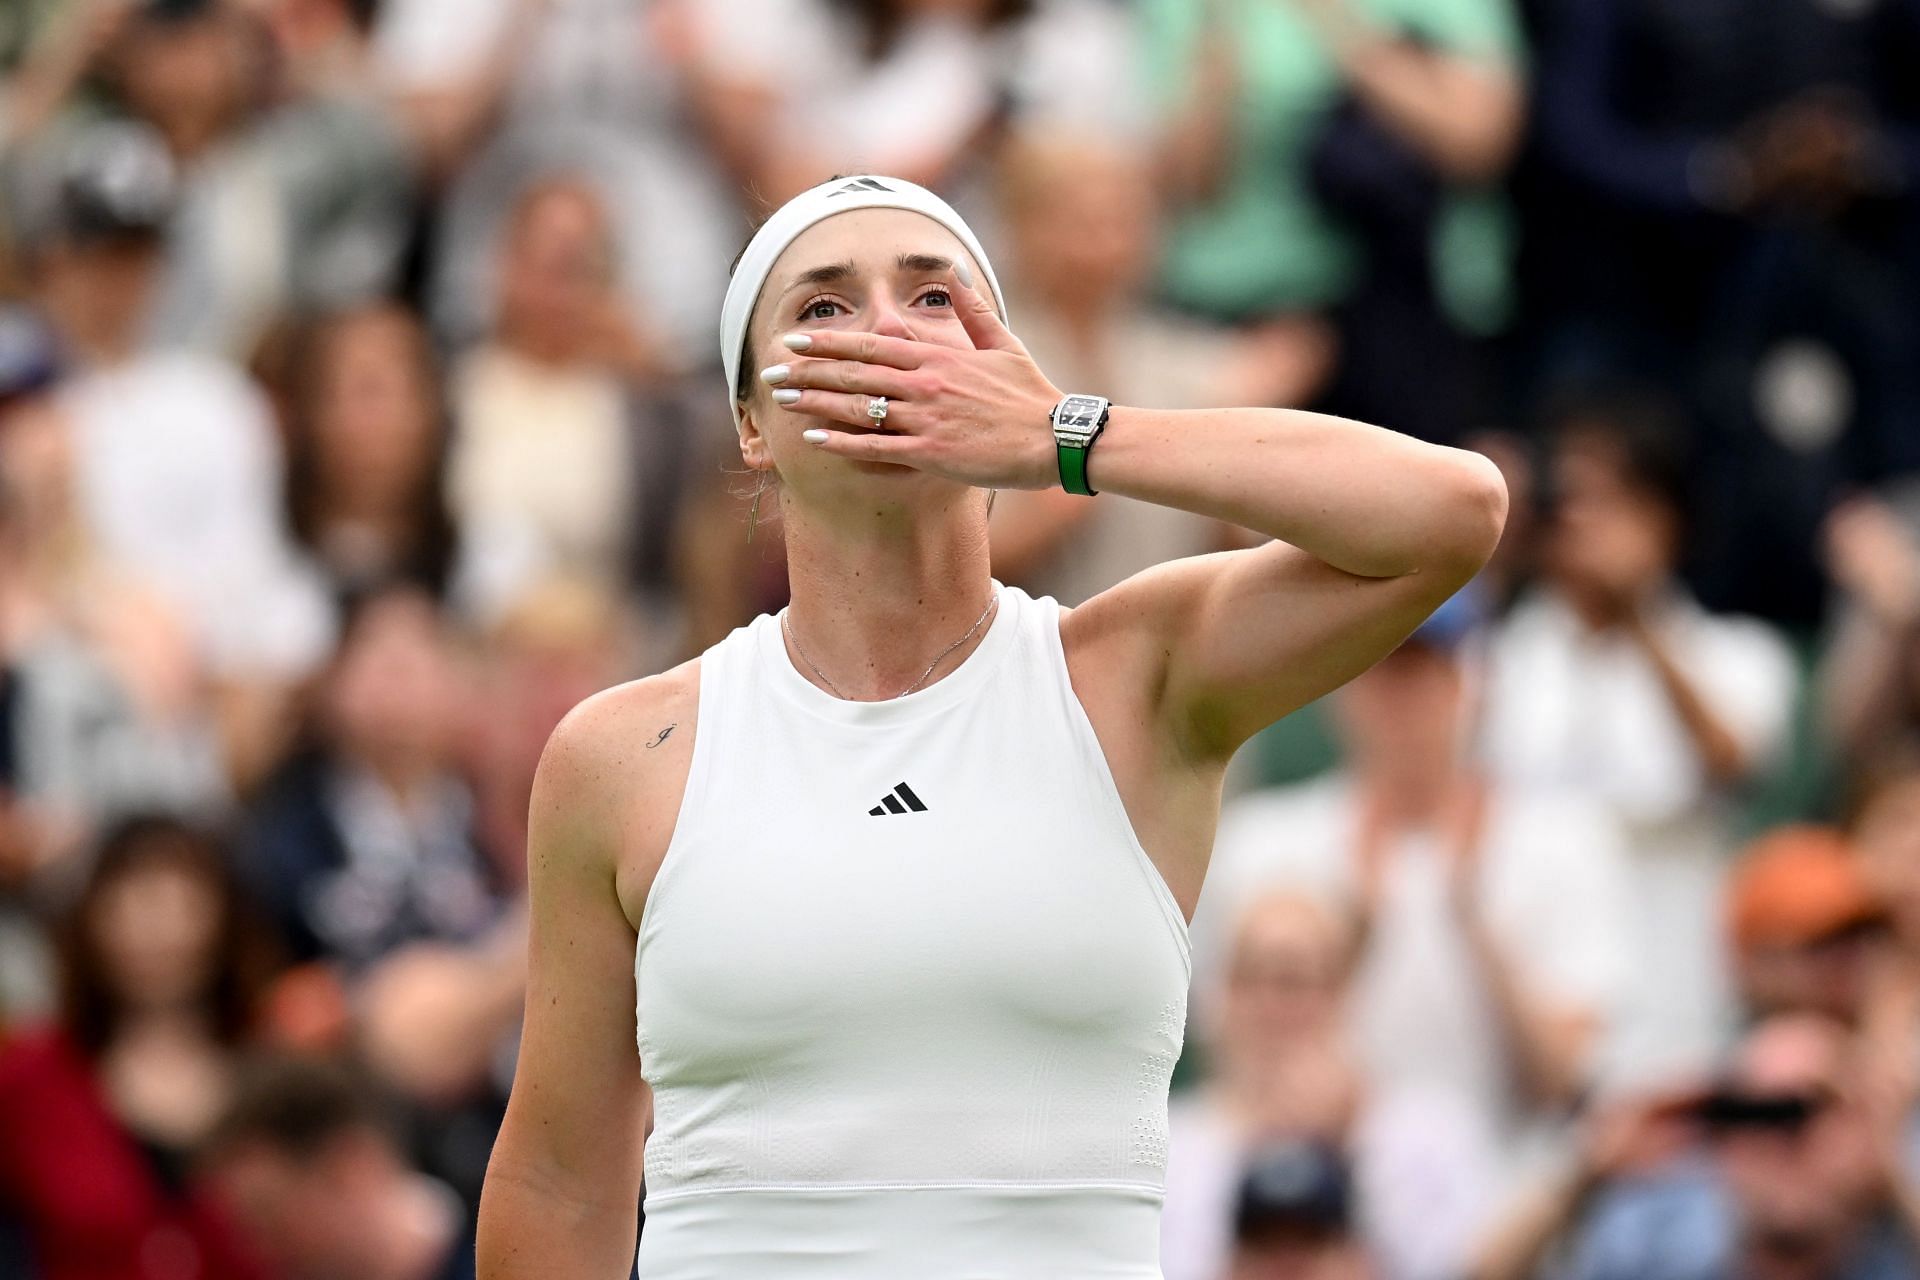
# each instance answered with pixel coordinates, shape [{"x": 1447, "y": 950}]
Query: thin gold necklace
[{"x": 786, "y": 625}]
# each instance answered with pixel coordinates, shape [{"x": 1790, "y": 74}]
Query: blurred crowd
[{"x": 359, "y": 413}]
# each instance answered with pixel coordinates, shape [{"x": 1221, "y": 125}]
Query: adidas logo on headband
[{"x": 858, "y": 184}]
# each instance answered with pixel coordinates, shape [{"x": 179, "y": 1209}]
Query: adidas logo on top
[
  {"x": 899, "y": 800},
  {"x": 858, "y": 184}
]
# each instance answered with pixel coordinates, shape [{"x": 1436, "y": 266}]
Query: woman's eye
[
  {"x": 937, "y": 298},
  {"x": 820, "y": 309}
]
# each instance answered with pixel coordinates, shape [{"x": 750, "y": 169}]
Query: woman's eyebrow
[
  {"x": 929, "y": 262},
  {"x": 840, "y": 272},
  {"x": 831, "y": 273}
]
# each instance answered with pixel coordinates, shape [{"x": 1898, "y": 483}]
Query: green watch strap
[{"x": 1073, "y": 468}]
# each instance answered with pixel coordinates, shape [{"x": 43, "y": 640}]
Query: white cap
[{"x": 841, "y": 195}]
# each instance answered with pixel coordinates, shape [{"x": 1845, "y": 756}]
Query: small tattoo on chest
[{"x": 664, "y": 735}]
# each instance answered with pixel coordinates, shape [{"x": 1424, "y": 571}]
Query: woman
[
  {"x": 164, "y": 972},
  {"x": 903, "y": 873},
  {"x": 366, "y": 441}
]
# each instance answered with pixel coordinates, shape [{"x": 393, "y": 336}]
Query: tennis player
[{"x": 891, "y": 889}]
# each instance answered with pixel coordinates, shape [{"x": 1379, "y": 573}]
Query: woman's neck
[{"x": 878, "y": 594}]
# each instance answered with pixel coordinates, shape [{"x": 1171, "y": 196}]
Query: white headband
[{"x": 804, "y": 210}]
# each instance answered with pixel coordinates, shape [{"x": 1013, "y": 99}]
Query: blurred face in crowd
[
  {"x": 1286, "y": 978},
  {"x": 1406, "y": 716},
  {"x": 1827, "y": 976},
  {"x": 395, "y": 695},
  {"x": 310, "y": 1215},
  {"x": 1083, "y": 221},
  {"x": 190, "y": 77},
  {"x": 1887, "y": 836},
  {"x": 1611, "y": 539},
  {"x": 96, "y": 292},
  {"x": 557, "y": 272},
  {"x": 1802, "y": 1187},
  {"x": 155, "y": 928},
  {"x": 884, "y": 271},
  {"x": 376, "y": 415}
]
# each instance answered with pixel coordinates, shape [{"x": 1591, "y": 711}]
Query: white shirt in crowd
[
  {"x": 1552, "y": 885},
  {"x": 1568, "y": 707},
  {"x": 541, "y": 473},
  {"x": 1069, "y": 65},
  {"x": 1424, "y": 1173},
  {"x": 179, "y": 476}
]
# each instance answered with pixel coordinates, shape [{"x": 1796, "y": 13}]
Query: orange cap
[{"x": 1797, "y": 885}]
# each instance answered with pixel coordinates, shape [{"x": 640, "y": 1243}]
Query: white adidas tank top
[{"x": 909, "y": 990}]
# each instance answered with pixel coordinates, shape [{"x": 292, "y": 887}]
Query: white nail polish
[
  {"x": 962, "y": 272},
  {"x": 786, "y": 395},
  {"x": 815, "y": 436},
  {"x": 775, "y": 374},
  {"x": 796, "y": 342}
]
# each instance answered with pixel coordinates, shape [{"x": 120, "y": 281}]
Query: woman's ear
[{"x": 753, "y": 444}]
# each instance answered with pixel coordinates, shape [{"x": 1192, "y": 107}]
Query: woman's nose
[{"x": 890, "y": 320}]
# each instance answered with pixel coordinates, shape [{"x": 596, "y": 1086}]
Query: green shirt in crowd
[{"x": 1262, "y": 244}]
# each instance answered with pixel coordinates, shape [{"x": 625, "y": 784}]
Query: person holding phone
[{"x": 1792, "y": 1166}]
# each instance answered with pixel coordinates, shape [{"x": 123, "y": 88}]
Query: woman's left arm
[{"x": 1373, "y": 529}]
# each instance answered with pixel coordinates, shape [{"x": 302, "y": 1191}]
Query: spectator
[
  {"x": 913, "y": 88},
  {"x": 1495, "y": 938},
  {"x": 175, "y": 462},
  {"x": 1610, "y": 678},
  {"x": 313, "y": 1172},
  {"x": 1081, "y": 217},
  {"x": 1724, "y": 207},
  {"x": 366, "y": 443},
  {"x": 1791, "y": 1169},
  {"x": 105, "y": 710},
  {"x": 163, "y": 972},
  {"x": 295, "y": 181},
  {"x": 1295, "y": 1219},
  {"x": 1870, "y": 674},
  {"x": 504, "y": 92},
  {"x": 1492, "y": 949},
  {"x": 545, "y": 462},
  {"x": 365, "y": 845},
  {"x": 1807, "y": 930},
  {"x": 1279, "y": 1068},
  {"x": 364, "y": 841},
  {"x": 1334, "y": 158}
]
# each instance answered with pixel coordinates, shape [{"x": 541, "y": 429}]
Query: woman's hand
[{"x": 981, "y": 416}]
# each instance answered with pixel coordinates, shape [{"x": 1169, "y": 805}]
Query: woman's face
[
  {"x": 1287, "y": 975},
  {"x": 396, "y": 692},
  {"x": 375, "y": 423},
  {"x": 557, "y": 274},
  {"x": 884, "y": 271},
  {"x": 154, "y": 929}
]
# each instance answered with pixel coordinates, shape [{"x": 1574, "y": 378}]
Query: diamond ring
[{"x": 877, "y": 408}]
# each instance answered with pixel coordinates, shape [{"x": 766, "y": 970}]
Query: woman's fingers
[
  {"x": 839, "y": 375},
  {"x": 865, "y": 446},
  {"x": 867, "y": 348},
  {"x": 840, "y": 406},
  {"x": 977, "y": 315}
]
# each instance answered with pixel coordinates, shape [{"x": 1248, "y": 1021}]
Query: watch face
[{"x": 1080, "y": 414}]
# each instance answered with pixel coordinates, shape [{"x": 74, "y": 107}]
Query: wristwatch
[{"x": 1077, "y": 423}]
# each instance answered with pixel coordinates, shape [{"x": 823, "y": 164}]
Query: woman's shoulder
[{"x": 608, "y": 727}]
